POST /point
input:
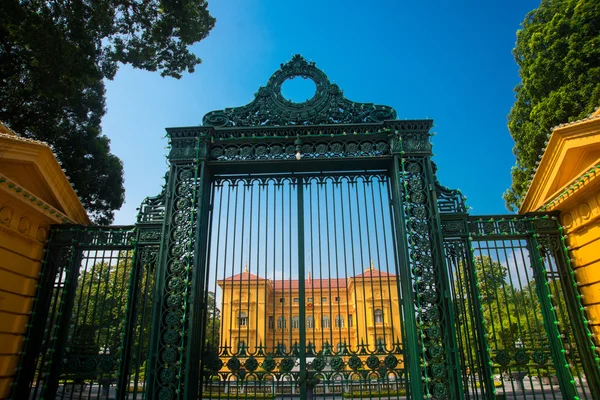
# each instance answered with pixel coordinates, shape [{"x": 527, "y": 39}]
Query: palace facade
[{"x": 343, "y": 314}]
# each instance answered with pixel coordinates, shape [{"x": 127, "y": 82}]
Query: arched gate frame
[{"x": 441, "y": 256}]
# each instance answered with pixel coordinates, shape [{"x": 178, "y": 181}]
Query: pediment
[
  {"x": 573, "y": 149},
  {"x": 31, "y": 165}
]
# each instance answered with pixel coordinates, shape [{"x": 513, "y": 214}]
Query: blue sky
[{"x": 449, "y": 61}]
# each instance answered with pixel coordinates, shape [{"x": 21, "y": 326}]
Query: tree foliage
[
  {"x": 54, "y": 56},
  {"x": 558, "y": 53}
]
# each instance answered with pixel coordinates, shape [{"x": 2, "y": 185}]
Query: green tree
[
  {"x": 491, "y": 278},
  {"x": 213, "y": 324},
  {"x": 558, "y": 53},
  {"x": 54, "y": 57}
]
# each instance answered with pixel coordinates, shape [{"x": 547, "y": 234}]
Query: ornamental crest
[{"x": 327, "y": 106}]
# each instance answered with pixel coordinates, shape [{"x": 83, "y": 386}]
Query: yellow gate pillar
[
  {"x": 34, "y": 194},
  {"x": 568, "y": 180}
]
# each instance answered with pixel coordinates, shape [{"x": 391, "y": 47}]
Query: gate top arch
[
  {"x": 326, "y": 127},
  {"x": 327, "y": 106}
]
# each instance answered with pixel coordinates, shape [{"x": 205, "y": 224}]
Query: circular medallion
[
  {"x": 286, "y": 365},
  {"x": 521, "y": 357},
  {"x": 268, "y": 364},
  {"x": 251, "y": 364},
  {"x": 319, "y": 364},
  {"x": 171, "y": 336},
  {"x": 539, "y": 357},
  {"x": 373, "y": 362},
  {"x": 233, "y": 364},
  {"x": 436, "y": 351},
  {"x": 390, "y": 361},
  {"x": 172, "y": 319},
  {"x": 167, "y": 375},
  {"x": 355, "y": 362},
  {"x": 502, "y": 358},
  {"x": 165, "y": 394},
  {"x": 337, "y": 363},
  {"x": 169, "y": 355}
]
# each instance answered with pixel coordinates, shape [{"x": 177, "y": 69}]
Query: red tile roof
[{"x": 309, "y": 284}]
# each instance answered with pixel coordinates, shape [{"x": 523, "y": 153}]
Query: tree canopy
[
  {"x": 54, "y": 57},
  {"x": 558, "y": 53}
]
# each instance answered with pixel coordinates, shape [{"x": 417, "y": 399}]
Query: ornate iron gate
[{"x": 306, "y": 249}]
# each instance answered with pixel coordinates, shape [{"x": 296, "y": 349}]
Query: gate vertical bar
[
  {"x": 450, "y": 342},
  {"x": 61, "y": 334},
  {"x": 198, "y": 308},
  {"x": 405, "y": 290},
  {"x": 301, "y": 289},
  {"x": 129, "y": 330},
  {"x": 482, "y": 343},
  {"x": 171, "y": 374},
  {"x": 565, "y": 378}
]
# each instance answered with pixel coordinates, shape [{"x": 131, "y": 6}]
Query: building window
[
  {"x": 337, "y": 299},
  {"x": 323, "y": 299},
  {"x": 281, "y": 323},
  {"x": 310, "y": 300},
  {"x": 243, "y": 319},
  {"x": 242, "y": 348},
  {"x": 350, "y": 322},
  {"x": 282, "y": 300},
  {"x": 296, "y": 300},
  {"x": 295, "y": 322},
  {"x": 339, "y": 321},
  {"x": 310, "y": 322},
  {"x": 378, "y": 316},
  {"x": 341, "y": 348},
  {"x": 270, "y": 322},
  {"x": 380, "y": 345},
  {"x": 326, "y": 322}
]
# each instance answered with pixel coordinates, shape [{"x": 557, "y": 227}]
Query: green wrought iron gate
[{"x": 307, "y": 249}]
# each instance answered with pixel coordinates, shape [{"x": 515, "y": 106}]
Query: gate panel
[
  {"x": 354, "y": 328},
  {"x": 303, "y": 288},
  {"x": 85, "y": 313},
  {"x": 531, "y": 342},
  {"x": 252, "y": 333}
]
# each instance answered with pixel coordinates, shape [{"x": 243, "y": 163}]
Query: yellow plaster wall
[
  {"x": 32, "y": 198},
  {"x": 581, "y": 221}
]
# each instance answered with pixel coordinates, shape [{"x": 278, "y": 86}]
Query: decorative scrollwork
[
  {"x": 287, "y": 151},
  {"x": 327, "y": 106}
]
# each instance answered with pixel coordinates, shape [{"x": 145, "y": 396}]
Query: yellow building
[
  {"x": 353, "y": 313},
  {"x": 34, "y": 194},
  {"x": 567, "y": 180}
]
